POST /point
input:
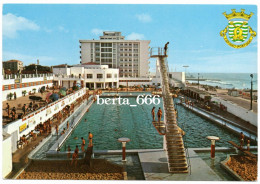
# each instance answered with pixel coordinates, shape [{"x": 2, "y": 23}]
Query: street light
[
  {"x": 198, "y": 80},
  {"x": 251, "y": 92},
  {"x": 185, "y": 66}
]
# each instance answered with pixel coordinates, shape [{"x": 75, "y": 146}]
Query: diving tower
[{"x": 173, "y": 142}]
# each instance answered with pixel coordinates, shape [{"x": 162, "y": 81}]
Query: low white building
[
  {"x": 24, "y": 82},
  {"x": 90, "y": 75},
  {"x": 176, "y": 79}
]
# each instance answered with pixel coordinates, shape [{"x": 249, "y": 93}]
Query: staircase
[{"x": 177, "y": 162}]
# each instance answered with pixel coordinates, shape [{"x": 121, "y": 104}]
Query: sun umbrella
[
  {"x": 48, "y": 95},
  {"x": 54, "y": 97},
  {"x": 62, "y": 92},
  {"x": 43, "y": 88},
  {"x": 35, "y": 98}
]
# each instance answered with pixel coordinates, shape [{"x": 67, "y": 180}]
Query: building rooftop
[
  {"x": 90, "y": 63},
  {"x": 61, "y": 66},
  {"x": 13, "y": 61}
]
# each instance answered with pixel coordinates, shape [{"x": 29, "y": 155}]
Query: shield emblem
[{"x": 238, "y": 30}]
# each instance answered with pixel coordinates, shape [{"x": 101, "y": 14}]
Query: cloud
[
  {"x": 62, "y": 29},
  {"x": 27, "y": 59},
  {"x": 12, "y": 24},
  {"x": 135, "y": 36},
  {"x": 97, "y": 31},
  {"x": 144, "y": 17}
]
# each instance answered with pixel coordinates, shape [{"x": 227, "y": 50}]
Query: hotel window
[
  {"x": 89, "y": 76},
  {"x": 109, "y": 75},
  {"x": 125, "y": 54},
  {"x": 106, "y": 49},
  {"x": 106, "y": 44},
  {"x": 99, "y": 76},
  {"x": 115, "y": 75}
]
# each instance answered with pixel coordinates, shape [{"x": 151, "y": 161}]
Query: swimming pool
[{"x": 110, "y": 122}]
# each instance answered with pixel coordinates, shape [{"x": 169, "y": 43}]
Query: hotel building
[{"x": 129, "y": 56}]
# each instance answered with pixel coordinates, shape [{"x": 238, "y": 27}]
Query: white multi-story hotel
[
  {"x": 90, "y": 75},
  {"x": 129, "y": 56}
]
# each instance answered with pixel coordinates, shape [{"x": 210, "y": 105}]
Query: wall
[
  {"x": 144, "y": 58},
  {"x": 19, "y": 90},
  {"x": 33, "y": 119},
  {"x": 238, "y": 111},
  {"x": 77, "y": 70},
  {"x": 61, "y": 71},
  {"x": 6, "y": 155},
  {"x": 178, "y": 76},
  {"x": 85, "y": 52}
]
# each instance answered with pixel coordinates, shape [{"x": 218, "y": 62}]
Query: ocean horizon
[{"x": 226, "y": 80}]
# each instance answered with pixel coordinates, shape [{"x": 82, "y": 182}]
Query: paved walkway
[
  {"x": 155, "y": 167},
  {"x": 223, "y": 93}
]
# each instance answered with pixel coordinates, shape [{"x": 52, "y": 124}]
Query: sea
[{"x": 225, "y": 80}]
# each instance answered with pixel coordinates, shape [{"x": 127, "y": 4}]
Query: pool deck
[{"x": 155, "y": 167}]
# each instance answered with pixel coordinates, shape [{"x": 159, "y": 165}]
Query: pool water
[
  {"x": 214, "y": 164},
  {"x": 109, "y": 122},
  {"x": 132, "y": 165}
]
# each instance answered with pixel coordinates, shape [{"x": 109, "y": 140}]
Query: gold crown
[{"x": 235, "y": 14}]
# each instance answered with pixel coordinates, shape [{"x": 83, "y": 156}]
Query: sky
[{"x": 51, "y": 33}]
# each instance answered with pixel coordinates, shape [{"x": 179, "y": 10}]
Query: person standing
[
  {"x": 69, "y": 150},
  {"x": 153, "y": 113},
  {"x": 166, "y": 48},
  {"x": 83, "y": 144},
  {"x": 68, "y": 125},
  {"x": 15, "y": 95},
  {"x": 57, "y": 129},
  {"x": 8, "y": 109},
  {"x": 159, "y": 114},
  {"x": 24, "y": 109},
  {"x": 242, "y": 137},
  {"x": 90, "y": 139}
]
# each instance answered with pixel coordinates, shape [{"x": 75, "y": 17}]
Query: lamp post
[
  {"x": 185, "y": 66},
  {"x": 251, "y": 92},
  {"x": 198, "y": 80}
]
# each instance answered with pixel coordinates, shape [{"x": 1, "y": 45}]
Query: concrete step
[
  {"x": 173, "y": 151},
  {"x": 178, "y": 170},
  {"x": 184, "y": 164},
  {"x": 177, "y": 160}
]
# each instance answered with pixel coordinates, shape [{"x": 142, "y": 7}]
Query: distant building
[
  {"x": 129, "y": 56},
  {"x": 90, "y": 75},
  {"x": 13, "y": 65}
]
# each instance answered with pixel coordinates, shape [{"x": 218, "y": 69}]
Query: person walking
[
  {"x": 153, "y": 113},
  {"x": 90, "y": 139},
  {"x": 159, "y": 114}
]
